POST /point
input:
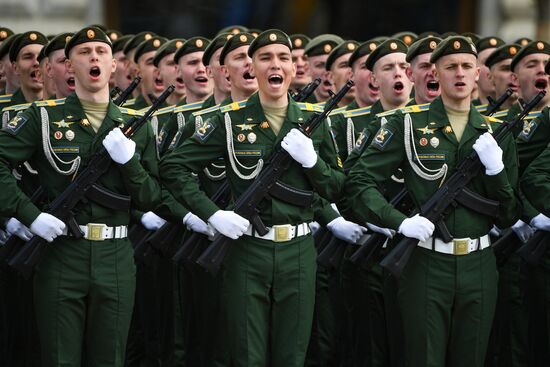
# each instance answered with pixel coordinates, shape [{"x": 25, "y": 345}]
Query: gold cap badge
[{"x": 90, "y": 34}]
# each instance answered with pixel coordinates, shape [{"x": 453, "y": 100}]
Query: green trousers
[
  {"x": 447, "y": 305},
  {"x": 84, "y": 294},
  {"x": 269, "y": 290}
]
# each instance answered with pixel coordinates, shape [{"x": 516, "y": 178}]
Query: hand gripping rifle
[
  {"x": 83, "y": 186},
  {"x": 267, "y": 184},
  {"x": 13, "y": 242},
  {"x": 452, "y": 193},
  {"x": 195, "y": 241}
]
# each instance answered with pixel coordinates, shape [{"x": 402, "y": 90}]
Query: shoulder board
[
  {"x": 482, "y": 108},
  {"x": 50, "y": 102},
  {"x": 18, "y": 107},
  {"x": 304, "y": 106},
  {"x": 501, "y": 114},
  {"x": 357, "y": 112},
  {"x": 5, "y": 98},
  {"x": 337, "y": 110},
  {"x": 321, "y": 104},
  {"x": 407, "y": 109},
  {"x": 207, "y": 110},
  {"x": 189, "y": 107},
  {"x": 131, "y": 112},
  {"x": 492, "y": 119},
  {"x": 533, "y": 115},
  {"x": 129, "y": 102},
  {"x": 233, "y": 106},
  {"x": 164, "y": 110}
]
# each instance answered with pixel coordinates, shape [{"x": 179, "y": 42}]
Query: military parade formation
[{"x": 262, "y": 199}]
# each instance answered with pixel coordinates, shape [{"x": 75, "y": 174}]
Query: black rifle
[
  {"x": 267, "y": 184},
  {"x": 83, "y": 186},
  {"x": 494, "y": 106},
  {"x": 306, "y": 91},
  {"x": 535, "y": 248},
  {"x": 191, "y": 244},
  {"x": 452, "y": 193},
  {"x": 13, "y": 243},
  {"x": 127, "y": 92}
]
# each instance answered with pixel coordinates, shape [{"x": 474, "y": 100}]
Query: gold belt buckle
[
  {"x": 282, "y": 232},
  {"x": 461, "y": 247},
  {"x": 95, "y": 231}
]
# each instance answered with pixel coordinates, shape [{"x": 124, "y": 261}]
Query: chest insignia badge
[
  {"x": 58, "y": 135},
  {"x": 245, "y": 127},
  {"x": 69, "y": 135},
  {"x": 434, "y": 142},
  {"x": 423, "y": 142},
  {"x": 241, "y": 138},
  {"x": 426, "y": 130},
  {"x": 251, "y": 138}
]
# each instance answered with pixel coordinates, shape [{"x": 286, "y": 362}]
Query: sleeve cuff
[
  {"x": 498, "y": 180},
  {"x": 28, "y": 213}
]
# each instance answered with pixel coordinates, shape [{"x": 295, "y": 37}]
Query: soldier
[
  {"x": 84, "y": 288},
  {"x": 129, "y": 51},
  {"x": 485, "y": 47},
  {"x": 339, "y": 69},
  {"x": 49, "y": 85},
  {"x": 444, "y": 294},
  {"x": 6, "y": 69},
  {"x": 5, "y": 33},
  {"x": 168, "y": 69},
  {"x": 23, "y": 54},
  {"x": 299, "y": 43},
  {"x": 317, "y": 51},
  {"x": 421, "y": 71},
  {"x": 500, "y": 73},
  {"x": 55, "y": 69},
  {"x": 211, "y": 59},
  {"x": 407, "y": 37},
  {"x": 269, "y": 307},
  {"x": 151, "y": 85},
  {"x": 535, "y": 188},
  {"x": 198, "y": 88},
  {"x": 121, "y": 77}
]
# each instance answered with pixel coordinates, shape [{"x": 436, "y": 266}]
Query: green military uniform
[
  {"x": 438, "y": 327},
  {"x": 253, "y": 139}
]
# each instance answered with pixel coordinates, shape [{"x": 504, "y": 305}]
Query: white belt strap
[
  {"x": 281, "y": 232},
  {"x": 101, "y": 232},
  {"x": 458, "y": 246}
]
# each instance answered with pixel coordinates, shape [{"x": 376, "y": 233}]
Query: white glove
[
  {"x": 120, "y": 148},
  {"x": 300, "y": 147},
  {"x": 489, "y": 153},
  {"x": 346, "y": 230},
  {"x": 47, "y": 226},
  {"x": 541, "y": 222},
  {"x": 385, "y": 231},
  {"x": 495, "y": 231},
  {"x": 229, "y": 223},
  {"x": 417, "y": 227},
  {"x": 151, "y": 221},
  {"x": 523, "y": 230},
  {"x": 195, "y": 224},
  {"x": 15, "y": 227},
  {"x": 314, "y": 226}
]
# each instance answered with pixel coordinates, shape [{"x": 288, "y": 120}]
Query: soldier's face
[
  {"x": 60, "y": 75},
  {"x": 302, "y": 73},
  {"x": 365, "y": 91},
  {"x": 49, "y": 85},
  {"x": 237, "y": 69},
  {"x": 215, "y": 72},
  {"x": 168, "y": 71},
  {"x": 26, "y": 67},
  {"x": 501, "y": 76},
  {"x": 151, "y": 83},
  {"x": 422, "y": 73},
  {"x": 273, "y": 67},
  {"x": 389, "y": 74},
  {"x": 121, "y": 76},
  {"x": 317, "y": 69},
  {"x": 484, "y": 84},
  {"x": 457, "y": 75},
  {"x": 193, "y": 73},
  {"x": 92, "y": 64},
  {"x": 529, "y": 73},
  {"x": 7, "y": 69},
  {"x": 340, "y": 72}
]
